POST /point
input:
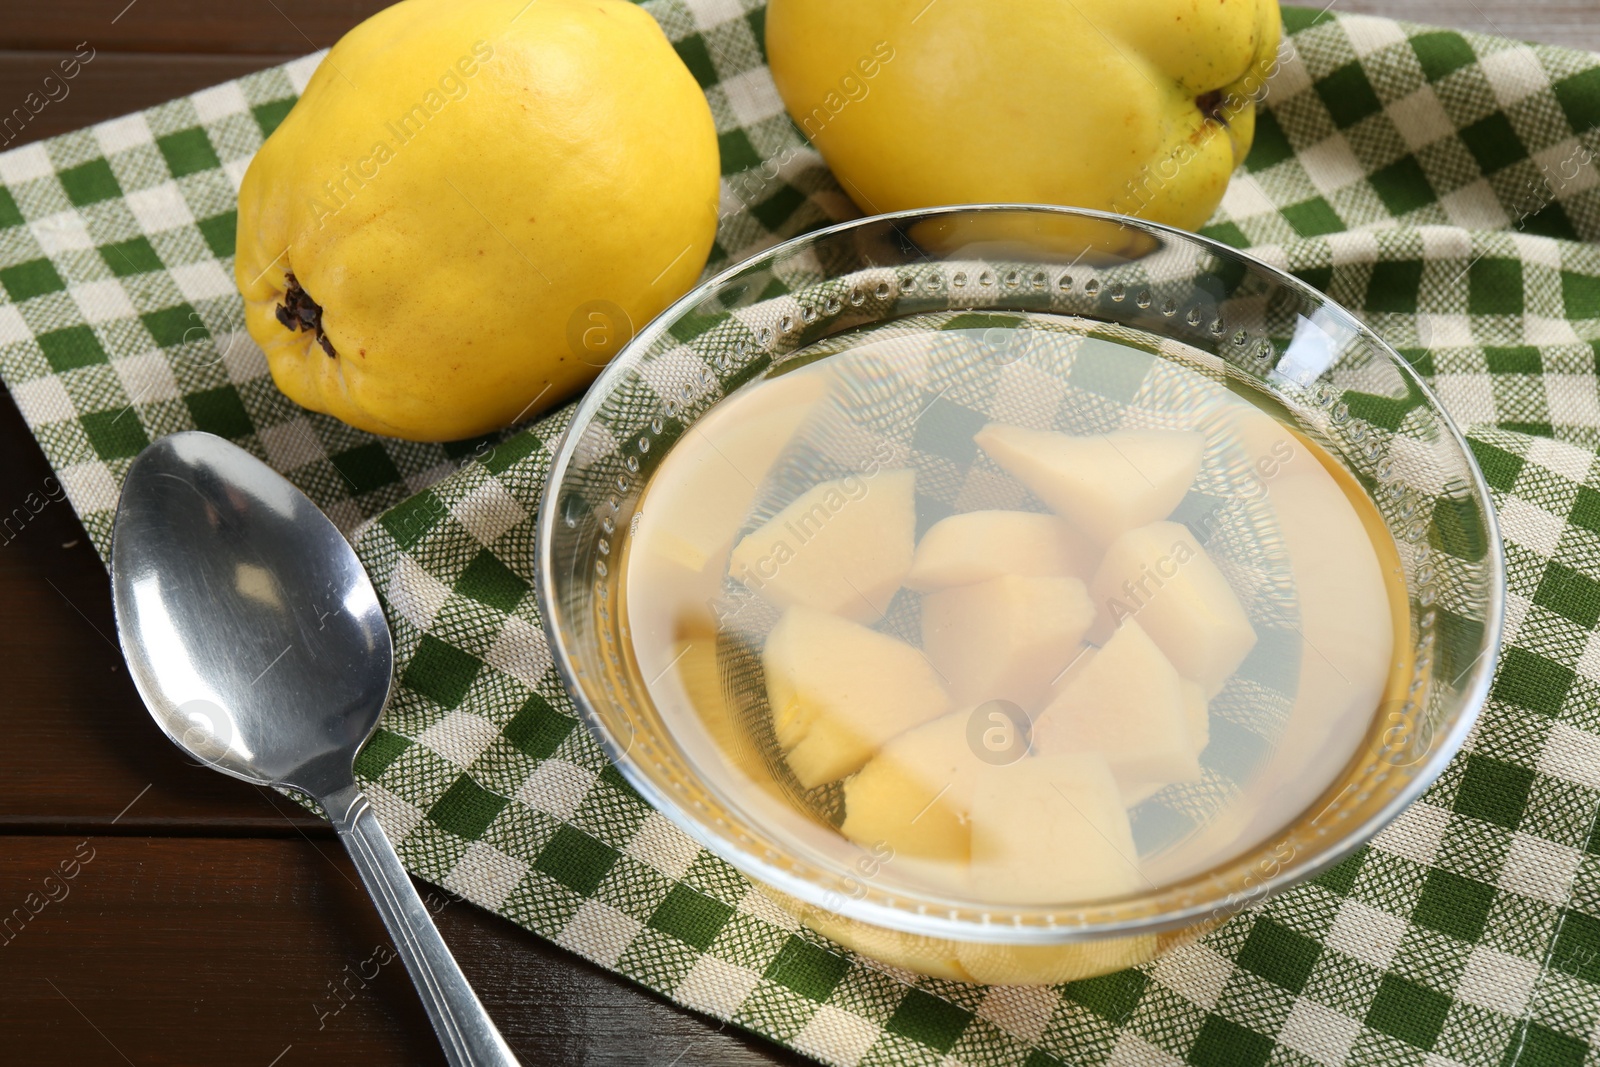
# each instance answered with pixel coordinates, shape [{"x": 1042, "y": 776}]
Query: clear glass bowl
[{"x": 1339, "y": 382}]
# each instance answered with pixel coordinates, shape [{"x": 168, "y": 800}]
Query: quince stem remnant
[{"x": 299, "y": 312}]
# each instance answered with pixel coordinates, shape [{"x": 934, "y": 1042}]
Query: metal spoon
[{"x": 257, "y": 643}]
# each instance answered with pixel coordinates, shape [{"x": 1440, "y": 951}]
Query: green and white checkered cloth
[{"x": 1439, "y": 183}]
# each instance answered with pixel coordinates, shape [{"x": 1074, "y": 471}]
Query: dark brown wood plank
[
  {"x": 76, "y": 744},
  {"x": 161, "y": 951},
  {"x": 109, "y": 85},
  {"x": 297, "y": 26},
  {"x": 291, "y": 27}
]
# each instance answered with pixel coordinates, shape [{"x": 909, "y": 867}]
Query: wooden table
[{"x": 206, "y": 921}]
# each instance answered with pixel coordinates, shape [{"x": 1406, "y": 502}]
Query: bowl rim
[{"x": 923, "y": 922}]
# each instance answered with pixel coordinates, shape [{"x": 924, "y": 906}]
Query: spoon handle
[{"x": 465, "y": 1029}]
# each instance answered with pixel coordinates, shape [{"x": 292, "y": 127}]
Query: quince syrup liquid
[{"x": 915, "y": 390}]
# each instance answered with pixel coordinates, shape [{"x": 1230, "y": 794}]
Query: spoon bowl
[
  {"x": 271, "y": 659},
  {"x": 258, "y": 643}
]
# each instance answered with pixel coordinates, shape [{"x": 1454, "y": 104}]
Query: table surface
[{"x": 208, "y": 919}]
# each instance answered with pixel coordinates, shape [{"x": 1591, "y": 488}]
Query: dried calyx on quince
[{"x": 299, "y": 312}]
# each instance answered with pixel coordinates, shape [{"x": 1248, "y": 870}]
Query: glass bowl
[{"x": 1262, "y": 332}]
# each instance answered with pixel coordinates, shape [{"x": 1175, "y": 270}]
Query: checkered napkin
[{"x": 1441, "y": 184}]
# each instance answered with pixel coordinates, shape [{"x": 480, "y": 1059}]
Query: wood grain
[
  {"x": 287, "y": 27},
  {"x": 109, "y": 85},
  {"x": 78, "y": 745},
  {"x": 158, "y": 951},
  {"x": 213, "y": 916},
  {"x": 293, "y": 27}
]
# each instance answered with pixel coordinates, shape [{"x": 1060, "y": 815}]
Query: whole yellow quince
[
  {"x": 1142, "y": 108},
  {"x": 471, "y": 206}
]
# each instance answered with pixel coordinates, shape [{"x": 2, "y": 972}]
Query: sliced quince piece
[
  {"x": 1105, "y": 483},
  {"x": 1124, "y": 701},
  {"x": 1052, "y": 964},
  {"x": 1051, "y": 829},
  {"x": 914, "y": 795},
  {"x": 838, "y": 691},
  {"x": 697, "y": 499},
  {"x": 1160, "y": 575},
  {"x": 1197, "y": 714},
  {"x": 978, "y": 545},
  {"x": 1339, "y": 581},
  {"x": 696, "y": 668},
  {"x": 1347, "y": 622},
  {"x": 1007, "y": 638},
  {"x": 1270, "y": 448},
  {"x": 843, "y": 546},
  {"x": 1350, "y": 589},
  {"x": 704, "y": 487}
]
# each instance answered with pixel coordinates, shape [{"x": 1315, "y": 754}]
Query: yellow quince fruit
[
  {"x": 472, "y": 205},
  {"x": 1138, "y": 108}
]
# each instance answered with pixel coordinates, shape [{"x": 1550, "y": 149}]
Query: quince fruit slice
[
  {"x": 976, "y": 546},
  {"x": 839, "y": 691},
  {"x": 1105, "y": 483}
]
